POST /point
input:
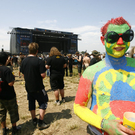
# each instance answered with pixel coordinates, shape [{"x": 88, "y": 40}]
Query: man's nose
[{"x": 120, "y": 41}]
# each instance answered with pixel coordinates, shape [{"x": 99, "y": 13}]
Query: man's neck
[
  {"x": 32, "y": 55},
  {"x": 115, "y": 62}
]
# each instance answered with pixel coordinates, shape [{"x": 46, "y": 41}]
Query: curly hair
[
  {"x": 54, "y": 51},
  {"x": 116, "y": 21}
]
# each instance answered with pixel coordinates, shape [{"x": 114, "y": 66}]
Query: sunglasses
[{"x": 112, "y": 37}]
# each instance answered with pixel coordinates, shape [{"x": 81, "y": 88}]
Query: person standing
[
  {"x": 15, "y": 59},
  {"x": 70, "y": 63},
  {"x": 20, "y": 59},
  {"x": 56, "y": 63},
  {"x": 33, "y": 70},
  {"x": 66, "y": 68},
  {"x": 86, "y": 61},
  {"x": 79, "y": 63},
  {"x": 9, "y": 62},
  {"x": 109, "y": 84},
  {"x": 7, "y": 96},
  {"x": 96, "y": 57}
]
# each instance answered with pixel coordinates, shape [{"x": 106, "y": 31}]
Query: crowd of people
[
  {"x": 79, "y": 60},
  {"x": 34, "y": 68},
  {"x": 102, "y": 82}
]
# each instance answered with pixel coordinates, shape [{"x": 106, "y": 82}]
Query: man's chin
[{"x": 118, "y": 55}]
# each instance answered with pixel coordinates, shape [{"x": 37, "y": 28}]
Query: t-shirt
[
  {"x": 56, "y": 64},
  {"x": 32, "y": 68},
  {"x": 79, "y": 63},
  {"x": 6, "y": 92},
  {"x": 70, "y": 61},
  {"x": 20, "y": 59},
  {"x": 66, "y": 59}
]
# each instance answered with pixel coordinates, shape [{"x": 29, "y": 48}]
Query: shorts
[
  {"x": 40, "y": 97},
  {"x": 79, "y": 68},
  {"x": 56, "y": 81},
  {"x": 12, "y": 108}
]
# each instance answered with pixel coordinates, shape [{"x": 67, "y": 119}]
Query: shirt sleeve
[{"x": 9, "y": 76}]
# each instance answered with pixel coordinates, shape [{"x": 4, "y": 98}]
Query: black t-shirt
[
  {"x": 94, "y": 61},
  {"x": 15, "y": 59},
  {"x": 6, "y": 92},
  {"x": 56, "y": 64},
  {"x": 66, "y": 59},
  {"x": 70, "y": 61},
  {"x": 80, "y": 63},
  {"x": 32, "y": 68}
]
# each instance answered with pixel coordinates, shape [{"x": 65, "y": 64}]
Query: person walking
[
  {"x": 56, "y": 63},
  {"x": 33, "y": 70}
]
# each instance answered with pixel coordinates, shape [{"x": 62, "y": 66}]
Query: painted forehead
[{"x": 118, "y": 28}]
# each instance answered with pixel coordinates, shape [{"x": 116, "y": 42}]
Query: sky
[{"x": 82, "y": 17}]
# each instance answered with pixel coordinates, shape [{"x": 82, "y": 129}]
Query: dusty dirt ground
[{"x": 62, "y": 119}]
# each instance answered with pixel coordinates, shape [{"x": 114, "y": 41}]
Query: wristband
[{"x": 102, "y": 123}]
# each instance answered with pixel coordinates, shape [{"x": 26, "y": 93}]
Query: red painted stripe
[
  {"x": 119, "y": 107},
  {"x": 83, "y": 91}
]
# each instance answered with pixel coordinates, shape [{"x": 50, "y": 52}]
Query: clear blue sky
[{"x": 82, "y": 17}]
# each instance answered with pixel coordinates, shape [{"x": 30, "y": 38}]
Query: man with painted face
[{"x": 109, "y": 84}]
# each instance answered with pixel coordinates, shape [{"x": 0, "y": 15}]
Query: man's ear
[{"x": 102, "y": 40}]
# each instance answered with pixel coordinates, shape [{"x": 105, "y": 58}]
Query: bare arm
[
  {"x": 47, "y": 67},
  {"x": 43, "y": 75},
  {"x": 9, "y": 60},
  {"x": 11, "y": 83},
  {"x": 64, "y": 66},
  {"x": 89, "y": 60}
]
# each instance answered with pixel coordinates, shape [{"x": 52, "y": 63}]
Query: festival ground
[{"x": 62, "y": 119}]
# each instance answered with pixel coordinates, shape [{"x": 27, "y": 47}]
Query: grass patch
[{"x": 25, "y": 117}]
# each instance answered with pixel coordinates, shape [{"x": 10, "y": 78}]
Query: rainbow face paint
[{"x": 117, "y": 49}]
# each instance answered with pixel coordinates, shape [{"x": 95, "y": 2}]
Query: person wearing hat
[{"x": 96, "y": 57}]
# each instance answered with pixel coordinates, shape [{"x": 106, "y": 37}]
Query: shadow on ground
[
  {"x": 51, "y": 117},
  {"x": 69, "y": 98},
  {"x": 27, "y": 128}
]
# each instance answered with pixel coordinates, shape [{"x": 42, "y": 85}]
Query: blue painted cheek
[{"x": 122, "y": 91}]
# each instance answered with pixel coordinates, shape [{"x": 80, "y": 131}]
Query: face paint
[{"x": 117, "y": 49}]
